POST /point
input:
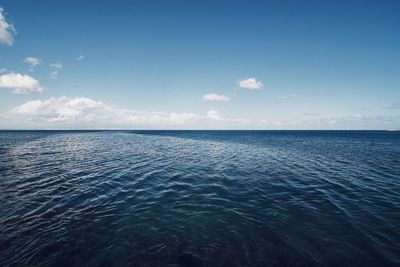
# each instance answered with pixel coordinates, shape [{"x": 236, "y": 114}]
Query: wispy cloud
[
  {"x": 57, "y": 65},
  {"x": 20, "y": 83},
  {"x": 2, "y": 70},
  {"x": 356, "y": 122},
  {"x": 285, "y": 97},
  {"x": 7, "y": 30},
  {"x": 32, "y": 61},
  {"x": 53, "y": 75},
  {"x": 215, "y": 98},
  {"x": 251, "y": 84},
  {"x": 81, "y": 57}
]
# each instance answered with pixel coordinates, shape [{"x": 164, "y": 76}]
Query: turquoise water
[{"x": 199, "y": 198}]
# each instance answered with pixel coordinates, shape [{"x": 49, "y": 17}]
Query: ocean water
[{"x": 199, "y": 198}]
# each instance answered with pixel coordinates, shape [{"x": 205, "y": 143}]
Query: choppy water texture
[{"x": 171, "y": 198}]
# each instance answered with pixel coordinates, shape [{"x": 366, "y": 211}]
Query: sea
[{"x": 199, "y": 198}]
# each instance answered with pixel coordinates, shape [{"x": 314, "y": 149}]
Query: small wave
[{"x": 199, "y": 198}]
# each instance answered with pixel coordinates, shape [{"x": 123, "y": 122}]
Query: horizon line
[{"x": 333, "y": 130}]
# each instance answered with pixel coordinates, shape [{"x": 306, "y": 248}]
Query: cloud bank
[
  {"x": 76, "y": 113},
  {"x": 251, "y": 84},
  {"x": 7, "y": 30},
  {"x": 85, "y": 113},
  {"x": 20, "y": 83}
]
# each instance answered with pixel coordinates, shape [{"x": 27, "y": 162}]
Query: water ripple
[{"x": 165, "y": 198}]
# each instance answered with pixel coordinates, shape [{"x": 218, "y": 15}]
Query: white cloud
[
  {"x": 7, "y": 30},
  {"x": 81, "y": 57},
  {"x": 20, "y": 83},
  {"x": 60, "y": 109},
  {"x": 213, "y": 114},
  {"x": 57, "y": 65},
  {"x": 215, "y": 98},
  {"x": 85, "y": 113},
  {"x": 251, "y": 84},
  {"x": 32, "y": 61},
  {"x": 2, "y": 70},
  {"x": 285, "y": 97},
  {"x": 53, "y": 75}
]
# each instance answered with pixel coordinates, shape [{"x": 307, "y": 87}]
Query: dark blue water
[{"x": 172, "y": 198}]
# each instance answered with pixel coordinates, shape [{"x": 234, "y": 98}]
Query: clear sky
[{"x": 199, "y": 64}]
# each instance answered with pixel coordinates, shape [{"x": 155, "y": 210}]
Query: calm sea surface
[{"x": 199, "y": 198}]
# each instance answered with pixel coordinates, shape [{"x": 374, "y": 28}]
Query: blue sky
[{"x": 200, "y": 64}]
